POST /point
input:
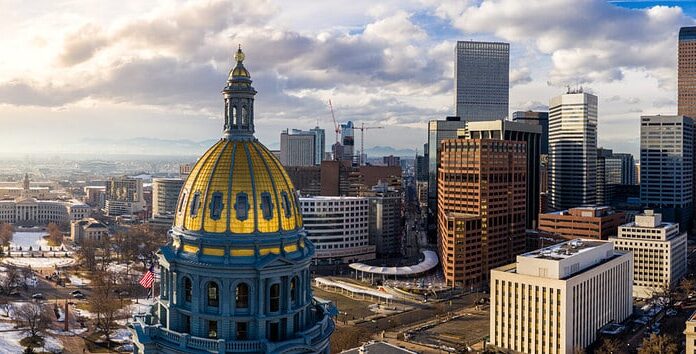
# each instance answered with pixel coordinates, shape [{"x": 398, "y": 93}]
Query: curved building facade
[{"x": 235, "y": 275}]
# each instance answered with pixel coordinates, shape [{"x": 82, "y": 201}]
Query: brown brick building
[
  {"x": 481, "y": 207},
  {"x": 339, "y": 178},
  {"x": 583, "y": 222}
]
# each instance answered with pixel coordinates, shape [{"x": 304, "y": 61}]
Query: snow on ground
[
  {"x": 9, "y": 340},
  {"x": 143, "y": 306},
  {"x": 78, "y": 281},
  {"x": 118, "y": 268},
  {"x": 38, "y": 262},
  {"x": 29, "y": 239},
  {"x": 121, "y": 335},
  {"x": 72, "y": 332}
]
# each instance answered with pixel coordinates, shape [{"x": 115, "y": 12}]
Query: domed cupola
[{"x": 235, "y": 275}]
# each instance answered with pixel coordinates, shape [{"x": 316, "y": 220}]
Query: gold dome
[{"x": 238, "y": 187}]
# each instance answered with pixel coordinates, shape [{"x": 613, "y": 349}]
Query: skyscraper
[
  {"x": 481, "y": 207},
  {"x": 628, "y": 168},
  {"x": 515, "y": 131},
  {"x": 348, "y": 140},
  {"x": 481, "y": 80},
  {"x": 604, "y": 188},
  {"x": 124, "y": 196},
  {"x": 536, "y": 118},
  {"x": 572, "y": 150},
  {"x": 686, "y": 72},
  {"x": 301, "y": 148},
  {"x": 438, "y": 130},
  {"x": 666, "y": 167},
  {"x": 319, "y": 144},
  {"x": 235, "y": 273},
  {"x": 165, "y": 193}
]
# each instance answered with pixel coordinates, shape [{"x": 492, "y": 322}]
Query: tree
[
  {"x": 11, "y": 280},
  {"x": 6, "y": 231},
  {"x": 87, "y": 253},
  {"x": 687, "y": 286},
  {"x": 55, "y": 236},
  {"x": 34, "y": 317},
  {"x": 659, "y": 344},
  {"x": 610, "y": 346},
  {"x": 104, "y": 303}
]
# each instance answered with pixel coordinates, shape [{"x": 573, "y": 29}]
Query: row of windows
[{"x": 241, "y": 205}]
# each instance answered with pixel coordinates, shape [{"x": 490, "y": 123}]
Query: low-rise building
[
  {"x": 554, "y": 300},
  {"x": 87, "y": 230},
  {"x": 690, "y": 332},
  {"x": 659, "y": 252},
  {"x": 583, "y": 222},
  {"x": 339, "y": 228}
]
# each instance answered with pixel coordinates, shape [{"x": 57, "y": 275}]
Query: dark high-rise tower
[
  {"x": 686, "y": 72},
  {"x": 481, "y": 80}
]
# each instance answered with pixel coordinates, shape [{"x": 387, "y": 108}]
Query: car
[
  {"x": 37, "y": 296},
  {"x": 79, "y": 296},
  {"x": 671, "y": 312},
  {"x": 75, "y": 292}
]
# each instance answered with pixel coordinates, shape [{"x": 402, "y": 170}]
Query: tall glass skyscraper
[
  {"x": 481, "y": 80},
  {"x": 666, "y": 167},
  {"x": 572, "y": 150}
]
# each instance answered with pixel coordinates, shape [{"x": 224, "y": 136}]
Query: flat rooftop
[{"x": 563, "y": 250}]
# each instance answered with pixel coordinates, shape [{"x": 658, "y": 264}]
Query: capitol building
[
  {"x": 235, "y": 273},
  {"x": 29, "y": 211}
]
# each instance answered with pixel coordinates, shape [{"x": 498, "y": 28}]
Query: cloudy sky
[{"x": 73, "y": 73}]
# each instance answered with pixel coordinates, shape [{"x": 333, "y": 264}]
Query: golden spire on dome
[{"x": 239, "y": 56}]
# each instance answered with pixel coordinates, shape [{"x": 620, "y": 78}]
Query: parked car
[{"x": 38, "y": 296}]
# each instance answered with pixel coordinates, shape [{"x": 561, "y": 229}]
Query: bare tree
[
  {"x": 687, "y": 286},
  {"x": 11, "y": 280},
  {"x": 104, "y": 303},
  {"x": 35, "y": 318},
  {"x": 659, "y": 344},
  {"x": 610, "y": 346},
  {"x": 6, "y": 231},
  {"x": 55, "y": 236},
  {"x": 87, "y": 254}
]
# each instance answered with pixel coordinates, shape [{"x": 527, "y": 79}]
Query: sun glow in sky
[{"x": 145, "y": 76}]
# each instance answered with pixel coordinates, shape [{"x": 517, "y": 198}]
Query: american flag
[{"x": 148, "y": 278}]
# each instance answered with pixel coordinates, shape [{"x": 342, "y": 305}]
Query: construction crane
[
  {"x": 336, "y": 127},
  {"x": 362, "y": 129}
]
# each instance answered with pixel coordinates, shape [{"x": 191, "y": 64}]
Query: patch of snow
[
  {"x": 78, "y": 281},
  {"x": 38, "y": 262},
  {"x": 10, "y": 337},
  {"x": 121, "y": 335}
]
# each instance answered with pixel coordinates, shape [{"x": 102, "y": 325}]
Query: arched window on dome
[
  {"x": 195, "y": 204},
  {"x": 182, "y": 201},
  {"x": 286, "y": 204},
  {"x": 213, "y": 294},
  {"x": 241, "y": 295},
  {"x": 266, "y": 206},
  {"x": 216, "y": 206},
  {"x": 241, "y": 206},
  {"x": 188, "y": 289},
  {"x": 234, "y": 116}
]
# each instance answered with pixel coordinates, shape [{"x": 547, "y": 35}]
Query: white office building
[
  {"x": 659, "y": 252},
  {"x": 124, "y": 196},
  {"x": 554, "y": 300},
  {"x": 572, "y": 173},
  {"x": 165, "y": 194},
  {"x": 339, "y": 228}
]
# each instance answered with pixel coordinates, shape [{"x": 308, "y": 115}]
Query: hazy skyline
[{"x": 72, "y": 73}]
